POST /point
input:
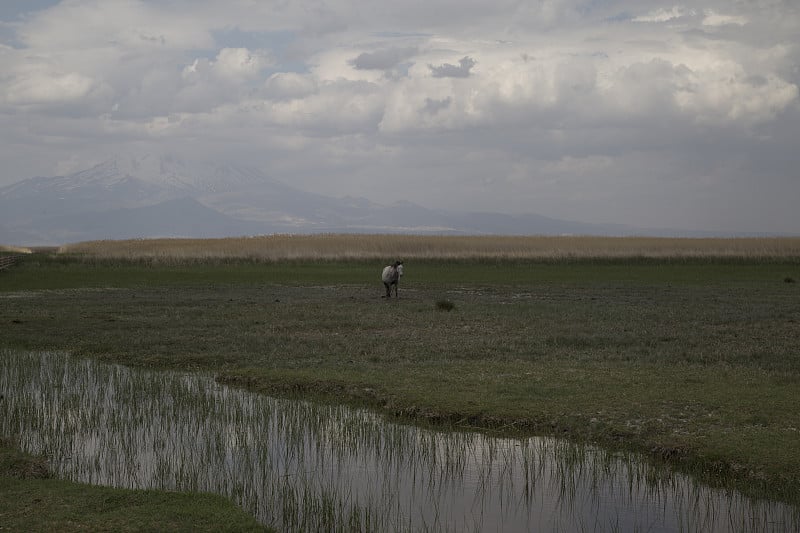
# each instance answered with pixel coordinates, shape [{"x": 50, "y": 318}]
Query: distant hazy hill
[{"x": 152, "y": 196}]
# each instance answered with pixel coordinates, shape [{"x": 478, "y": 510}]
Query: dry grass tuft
[
  {"x": 14, "y": 249},
  {"x": 445, "y": 305},
  {"x": 17, "y": 465},
  {"x": 369, "y": 247}
]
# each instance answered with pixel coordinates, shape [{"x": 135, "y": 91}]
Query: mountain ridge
[{"x": 152, "y": 196}]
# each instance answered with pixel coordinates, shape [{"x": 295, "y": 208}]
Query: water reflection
[{"x": 305, "y": 467}]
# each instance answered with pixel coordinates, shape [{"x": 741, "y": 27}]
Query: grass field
[
  {"x": 31, "y": 500},
  {"x": 686, "y": 350}
]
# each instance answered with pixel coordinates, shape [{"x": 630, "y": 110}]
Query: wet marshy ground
[{"x": 302, "y": 466}]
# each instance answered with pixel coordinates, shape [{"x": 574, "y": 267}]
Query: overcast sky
[{"x": 652, "y": 114}]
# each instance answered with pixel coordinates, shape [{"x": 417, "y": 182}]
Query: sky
[{"x": 650, "y": 114}]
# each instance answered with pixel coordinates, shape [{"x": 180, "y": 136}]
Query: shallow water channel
[{"x": 304, "y": 467}]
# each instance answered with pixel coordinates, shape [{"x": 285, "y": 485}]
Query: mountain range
[{"x": 164, "y": 196}]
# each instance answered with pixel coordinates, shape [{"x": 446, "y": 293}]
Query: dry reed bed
[
  {"x": 14, "y": 249},
  {"x": 369, "y": 247}
]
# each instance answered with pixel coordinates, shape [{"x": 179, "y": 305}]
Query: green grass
[
  {"x": 78, "y": 272},
  {"x": 690, "y": 360},
  {"x": 30, "y": 500}
]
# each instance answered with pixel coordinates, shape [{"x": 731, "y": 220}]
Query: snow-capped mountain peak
[
  {"x": 170, "y": 172},
  {"x": 151, "y": 195}
]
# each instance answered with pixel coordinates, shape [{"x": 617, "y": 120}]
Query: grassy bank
[
  {"x": 689, "y": 359},
  {"x": 30, "y": 500}
]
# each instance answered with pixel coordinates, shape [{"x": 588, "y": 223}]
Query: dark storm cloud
[
  {"x": 447, "y": 70},
  {"x": 382, "y": 59}
]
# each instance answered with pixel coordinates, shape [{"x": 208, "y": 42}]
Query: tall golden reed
[{"x": 370, "y": 246}]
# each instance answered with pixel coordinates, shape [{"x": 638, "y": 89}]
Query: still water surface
[{"x": 305, "y": 467}]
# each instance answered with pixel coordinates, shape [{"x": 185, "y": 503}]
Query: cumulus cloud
[
  {"x": 732, "y": 96},
  {"x": 568, "y": 95},
  {"x": 40, "y": 84},
  {"x": 433, "y": 106},
  {"x": 712, "y": 18},
  {"x": 339, "y": 106},
  {"x": 49, "y": 88},
  {"x": 132, "y": 24},
  {"x": 719, "y": 93},
  {"x": 230, "y": 64},
  {"x": 240, "y": 63},
  {"x": 290, "y": 85},
  {"x": 462, "y": 70},
  {"x": 665, "y": 14}
]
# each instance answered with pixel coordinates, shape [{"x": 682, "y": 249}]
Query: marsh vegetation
[
  {"x": 686, "y": 353},
  {"x": 298, "y": 466},
  {"x": 342, "y": 247}
]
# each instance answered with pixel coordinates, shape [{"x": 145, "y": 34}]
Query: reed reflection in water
[{"x": 305, "y": 467}]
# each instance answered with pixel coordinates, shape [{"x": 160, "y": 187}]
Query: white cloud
[
  {"x": 713, "y": 18},
  {"x": 49, "y": 88},
  {"x": 231, "y": 65},
  {"x": 290, "y": 85},
  {"x": 133, "y": 24},
  {"x": 339, "y": 106},
  {"x": 665, "y": 14},
  {"x": 538, "y": 99},
  {"x": 726, "y": 94},
  {"x": 240, "y": 63}
]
